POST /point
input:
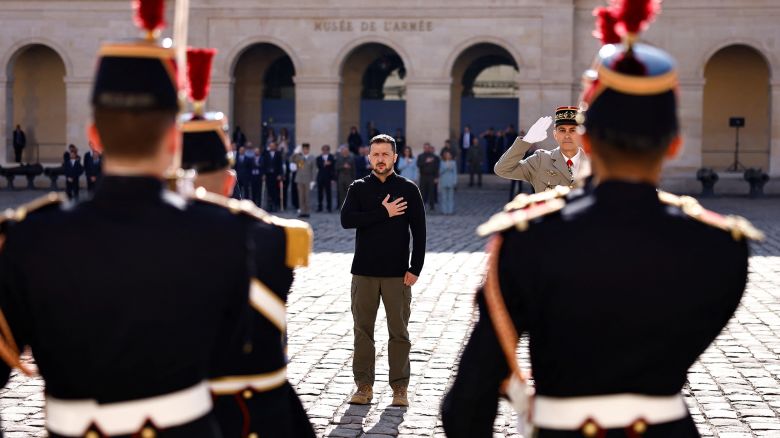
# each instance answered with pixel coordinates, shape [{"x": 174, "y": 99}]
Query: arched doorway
[
  {"x": 484, "y": 96},
  {"x": 736, "y": 85},
  {"x": 264, "y": 93},
  {"x": 36, "y": 102},
  {"x": 373, "y": 92}
]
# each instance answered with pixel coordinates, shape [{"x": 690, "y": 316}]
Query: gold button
[
  {"x": 92, "y": 434},
  {"x": 252, "y": 435},
  {"x": 640, "y": 427},
  {"x": 247, "y": 394},
  {"x": 590, "y": 429},
  {"x": 148, "y": 432}
]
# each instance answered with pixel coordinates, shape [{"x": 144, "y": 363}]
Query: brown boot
[
  {"x": 399, "y": 396},
  {"x": 363, "y": 395}
]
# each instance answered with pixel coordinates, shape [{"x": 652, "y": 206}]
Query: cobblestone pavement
[{"x": 734, "y": 391}]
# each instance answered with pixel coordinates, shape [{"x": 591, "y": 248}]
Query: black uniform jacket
[
  {"x": 619, "y": 293},
  {"x": 153, "y": 290}
]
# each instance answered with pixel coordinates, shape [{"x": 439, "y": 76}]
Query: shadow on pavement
[{"x": 351, "y": 423}]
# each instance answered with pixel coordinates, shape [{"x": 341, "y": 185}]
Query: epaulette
[
  {"x": 738, "y": 226},
  {"x": 20, "y": 213},
  {"x": 298, "y": 233},
  {"x": 523, "y": 200},
  {"x": 525, "y": 208}
]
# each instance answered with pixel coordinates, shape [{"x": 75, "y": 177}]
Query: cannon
[
  {"x": 757, "y": 179},
  {"x": 708, "y": 177},
  {"x": 54, "y": 173},
  {"x": 30, "y": 171}
]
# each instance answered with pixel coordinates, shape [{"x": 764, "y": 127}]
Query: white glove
[
  {"x": 293, "y": 167},
  {"x": 538, "y": 131},
  {"x": 311, "y": 185}
]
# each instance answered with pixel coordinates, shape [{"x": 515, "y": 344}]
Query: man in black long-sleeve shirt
[{"x": 383, "y": 207}]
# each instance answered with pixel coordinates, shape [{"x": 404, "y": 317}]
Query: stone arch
[
  {"x": 365, "y": 101},
  {"x": 239, "y": 49},
  {"x": 737, "y": 84},
  {"x": 771, "y": 60},
  {"x": 449, "y": 64},
  {"x": 20, "y": 46},
  {"x": 251, "y": 109},
  {"x": 36, "y": 99},
  {"x": 341, "y": 57}
]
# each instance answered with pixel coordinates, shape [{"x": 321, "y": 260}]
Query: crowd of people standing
[{"x": 276, "y": 177}]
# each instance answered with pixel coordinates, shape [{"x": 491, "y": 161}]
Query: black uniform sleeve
[
  {"x": 353, "y": 217},
  {"x": 416, "y": 211},
  {"x": 469, "y": 408}
]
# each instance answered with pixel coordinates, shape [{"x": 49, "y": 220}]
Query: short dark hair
[
  {"x": 382, "y": 138},
  {"x": 132, "y": 134},
  {"x": 306, "y": 145}
]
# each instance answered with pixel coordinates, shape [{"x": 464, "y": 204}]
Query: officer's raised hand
[
  {"x": 538, "y": 132},
  {"x": 395, "y": 208}
]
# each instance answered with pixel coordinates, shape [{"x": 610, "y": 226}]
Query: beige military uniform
[{"x": 544, "y": 169}]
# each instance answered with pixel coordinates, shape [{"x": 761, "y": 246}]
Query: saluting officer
[
  {"x": 252, "y": 396},
  {"x": 654, "y": 277},
  {"x": 129, "y": 351},
  {"x": 545, "y": 169}
]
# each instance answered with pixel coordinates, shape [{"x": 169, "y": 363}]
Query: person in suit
[
  {"x": 73, "y": 170},
  {"x": 464, "y": 144},
  {"x": 154, "y": 324},
  {"x": 256, "y": 165},
  {"x": 345, "y": 173},
  {"x": 93, "y": 167},
  {"x": 239, "y": 138},
  {"x": 545, "y": 169},
  {"x": 242, "y": 173},
  {"x": 273, "y": 170},
  {"x": 490, "y": 140},
  {"x": 305, "y": 178},
  {"x": 362, "y": 163},
  {"x": 476, "y": 159},
  {"x": 354, "y": 140},
  {"x": 428, "y": 165},
  {"x": 19, "y": 143},
  {"x": 656, "y": 278},
  {"x": 326, "y": 173}
]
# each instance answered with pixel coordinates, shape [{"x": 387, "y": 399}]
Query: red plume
[
  {"x": 199, "y": 72},
  {"x": 149, "y": 14},
  {"x": 606, "y": 26},
  {"x": 635, "y": 15}
]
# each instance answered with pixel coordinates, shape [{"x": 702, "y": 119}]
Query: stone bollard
[
  {"x": 757, "y": 179},
  {"x": 708, "y": 178}
]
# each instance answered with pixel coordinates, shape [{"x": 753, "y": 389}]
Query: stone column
[
  {"x": 427, "y": 112},
  {"x": 220, "y": 99},
  {"x": 774, "y": 128},
  {"x": 5, "y": 129},
  {"x": 531, "y": 105},
  {"x": 317, "y": 111},
  {"x": 690, "y": 113},
  {"x": 78, "y": 91}
]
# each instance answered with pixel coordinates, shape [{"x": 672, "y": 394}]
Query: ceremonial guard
[
  {"x": 252, "y": 397},
  {"x": 130, "y": 351},
  {"x": 653, "y": 277},
  {"x": 545, "y": 169}
]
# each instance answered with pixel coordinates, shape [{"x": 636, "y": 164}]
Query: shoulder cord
[{"x": 9, "y": 352}]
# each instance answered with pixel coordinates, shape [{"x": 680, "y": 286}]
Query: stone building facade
[{"x": 313, "y": 66}]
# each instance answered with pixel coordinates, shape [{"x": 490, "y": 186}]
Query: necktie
[{"x": 570, "y": 163}]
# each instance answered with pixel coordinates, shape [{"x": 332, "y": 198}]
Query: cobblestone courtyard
[{"x": 734, "y": 391}]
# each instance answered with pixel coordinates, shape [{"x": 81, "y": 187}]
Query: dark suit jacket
[
  {"x": 92, "y": 167},
  {"x": 73, "y": 170},
  {"x": 326, "y": 173},
  {"x": 20, "y": 140},
  {"x": 272, "y": 167}
]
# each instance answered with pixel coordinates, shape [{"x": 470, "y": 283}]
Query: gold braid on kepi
[{"x": 629, "y": 97}]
